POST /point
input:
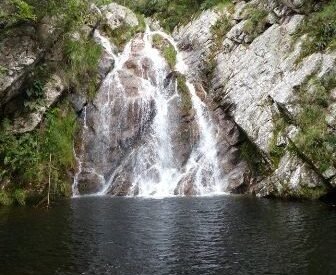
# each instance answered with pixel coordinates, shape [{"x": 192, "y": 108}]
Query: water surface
[{"x": 211, "y": 235}]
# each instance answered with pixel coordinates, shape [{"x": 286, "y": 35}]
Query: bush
[
  {"x": 20, "y": 196},
  {"x": 5, "y": 198},
  {"x": 219, "y": 30}
]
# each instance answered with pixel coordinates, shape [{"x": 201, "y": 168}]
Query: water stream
[{"x": 149, "y": 168}]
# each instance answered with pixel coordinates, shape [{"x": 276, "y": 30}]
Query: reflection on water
[{"x": 218, "y": 235}]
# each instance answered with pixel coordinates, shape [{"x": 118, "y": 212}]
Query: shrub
[
  {"x": 69, "y": 13},
  {"x": 20, "y": 196},
  {"x": 5, "y": 198}
]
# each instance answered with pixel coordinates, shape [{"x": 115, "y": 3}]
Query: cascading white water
[{"x": 152, "y": 167}]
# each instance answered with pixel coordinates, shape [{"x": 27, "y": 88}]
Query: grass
[
  {"x": 256, "y": 21},
  {"x": 82, "y": 57},
  {"x": 219, "y": 30},
  {"x": 315, "y": 139},
  {"x": 320, "y": 28}
]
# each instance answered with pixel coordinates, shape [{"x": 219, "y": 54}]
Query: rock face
[
  {"x": 27, "y": 122},
  {"x": 248, "y": 78},
  {"x": 255, "y": 80},
  {"x": 120, "y": 140},
  {"x": 117, "y": 16},
  {"x": 18, "y": 54}
]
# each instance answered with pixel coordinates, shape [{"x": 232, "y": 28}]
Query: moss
[
  {"x": 167, "y": 50},
  {"x": 184, "y": 93},
  {"x": 314, "y": 193},
  {"x": 20, "y": 196},
  {"x": 320, "y": 27},
  {"x": 121, "y": 35},
  {"x": 169, "y": 54}
]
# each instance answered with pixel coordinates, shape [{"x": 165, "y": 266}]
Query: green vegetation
[
  {"x": 171, "y": 13},
  {"x": 254, "y": 158},
  {"x": 277, "y": 151},
  {"x": 220, "y": 29},
  {"x": 82, "y": 57},
  {"x": 256, "y": 21},
  {"x": 121, "y": 35},
  {"x": 167, "y": 50},
  {"x": 320, "y": 27},
  {"x": 5, "y": 198},
  {"x": 316, "y": 140},
  {"x": 169, "y": 54},
  {"x": 24, "y": 159},
  {"x": 67, "y": 13},
  {"x": 184, "y": 93}
]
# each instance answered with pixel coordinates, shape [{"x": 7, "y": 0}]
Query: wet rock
[{"x": 89, "y": 183}]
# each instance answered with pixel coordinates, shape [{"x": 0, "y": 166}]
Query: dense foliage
[
  {"x": 25, "y": 159},
  {"x": 68, "y": 12}
]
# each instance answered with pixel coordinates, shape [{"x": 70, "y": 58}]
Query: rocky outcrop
[
  {"x": 116, "y": 16},
  {"x": 28, "y": 121},
  {"x": 256, "y": 79},
  {"x": 18, "y": 54}
]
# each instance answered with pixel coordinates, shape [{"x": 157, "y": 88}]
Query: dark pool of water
[{"x": 218, "y": 235}]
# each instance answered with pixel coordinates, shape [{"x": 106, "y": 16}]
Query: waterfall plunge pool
[{"x": 187, "y": 235}]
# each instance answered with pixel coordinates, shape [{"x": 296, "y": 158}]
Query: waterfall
[{"x": 136, "y": 119}]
